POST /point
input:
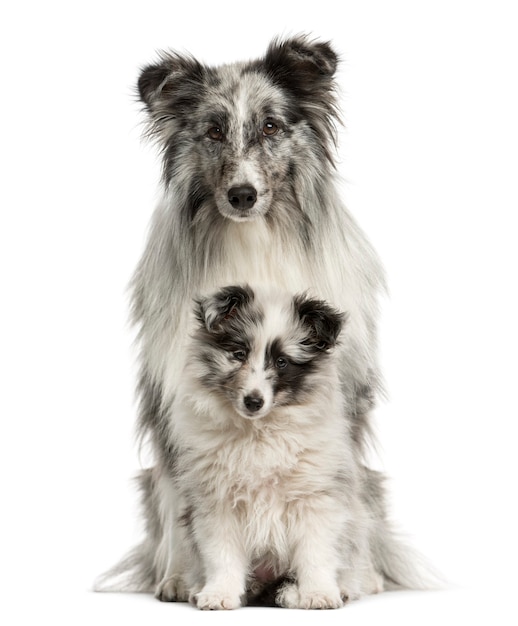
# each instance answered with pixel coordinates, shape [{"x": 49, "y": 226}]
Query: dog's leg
[
  {"x": 359, "y": 580},
  {"x": 357, "y": 575},
  {"x": 313, "y": 536},
  {"x": 170, "y": 557},
  {"x": 224, "y": 562},
  {"x": 172, "y": 587}
]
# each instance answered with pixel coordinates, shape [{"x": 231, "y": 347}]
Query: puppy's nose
[
  {"x": 253, "y": 403},
  {"x": 242, "y": 197}
]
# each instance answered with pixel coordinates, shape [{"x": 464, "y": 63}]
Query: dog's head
[
  {"x": 236, "y": 138},
  {"x": 260, "y": 350}
]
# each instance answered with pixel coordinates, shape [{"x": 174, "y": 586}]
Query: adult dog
[{"x": 248, "y": 197}]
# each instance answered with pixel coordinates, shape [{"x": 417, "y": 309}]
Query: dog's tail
[
  {"x": 401, "y": 566},
  {"x": 137, "y": 571},
  {"x": 134, "y": 573}
]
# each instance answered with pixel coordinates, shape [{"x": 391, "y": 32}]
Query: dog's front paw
[
  {"x": 291, "y": 597},
  {"x": 320, "y": 600},
  {"x": 172, "y": 589},
  {"x": 375, "y": 583},
  {"x": 213, "y": 600}
]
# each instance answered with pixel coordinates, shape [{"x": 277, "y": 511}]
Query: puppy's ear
[
  {"x": 214, "y": 312},
  {"x": 169, "y": 80},
  {"x": 301, "y": 64},
  {"x": 322, "y": 323}
]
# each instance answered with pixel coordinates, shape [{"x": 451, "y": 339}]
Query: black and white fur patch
[
  {"x": 261, "y": 354},
  {"x": 265, "y": 462}
]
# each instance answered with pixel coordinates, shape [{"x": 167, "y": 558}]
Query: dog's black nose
[
  {"x": 242, "y": 197},
  {"x": 253, "y": 403}
]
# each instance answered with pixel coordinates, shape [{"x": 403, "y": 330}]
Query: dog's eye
[
  {"x": 215, "y": 133},
  {"x": 239, "y": 355},
  {"x": 281, "y": 363},
  {"x": 270, "y": 128},
  {"x": 321, "y": 345}
]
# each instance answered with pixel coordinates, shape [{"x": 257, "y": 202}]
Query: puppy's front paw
[
  {"x": 213, "y": 600},
  {"x": 171, "y": 589},
  {"x": 291, "y": 597}
]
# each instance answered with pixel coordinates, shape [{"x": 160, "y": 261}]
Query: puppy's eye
[
  {"x": 281, "y": 363},
  {"x": 270, "y": 128},
  {"x": 321, "y": 345},
  {"x": 215, "y": 133},
  {"x": 239, "y": 355}
]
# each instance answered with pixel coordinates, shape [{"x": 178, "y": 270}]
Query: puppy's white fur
[{"x": 277, "y": 492}]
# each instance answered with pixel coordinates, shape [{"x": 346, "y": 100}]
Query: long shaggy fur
[
  {"x": 268, "y": 481},
  {"x": 248, "y": 196}
]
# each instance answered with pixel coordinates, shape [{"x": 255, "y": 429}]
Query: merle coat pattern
[
  {"x": 248, "y": 196},
  {"x": 268, "y": 484}
]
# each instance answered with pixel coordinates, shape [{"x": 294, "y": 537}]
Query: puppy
[{"x": 267, "y": 487}]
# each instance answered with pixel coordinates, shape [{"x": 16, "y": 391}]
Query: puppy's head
[{"x": 261, "y": 350}]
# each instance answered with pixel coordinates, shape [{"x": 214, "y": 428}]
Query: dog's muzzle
[{"x": 242, "y": 197}]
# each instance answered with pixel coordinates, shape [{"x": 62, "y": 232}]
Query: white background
[{"x": 429, "y": 159}]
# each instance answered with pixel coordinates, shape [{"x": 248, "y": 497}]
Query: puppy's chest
[{"x": 265, "y": 473}]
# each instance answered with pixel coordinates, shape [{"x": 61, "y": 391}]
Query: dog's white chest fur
[{"x": 253, "y": 256}]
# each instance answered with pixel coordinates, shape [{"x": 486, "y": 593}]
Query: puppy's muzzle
[{"x": 253, "y": 403}]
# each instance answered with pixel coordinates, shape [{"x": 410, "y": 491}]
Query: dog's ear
[
  {"x": 305, "y": 69},
  {"x": 169, "y": 80},
  {"x": 215, "y": 311},
  {"x": 303, "y": 65},
  {"x": 322, "y": 323}
]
